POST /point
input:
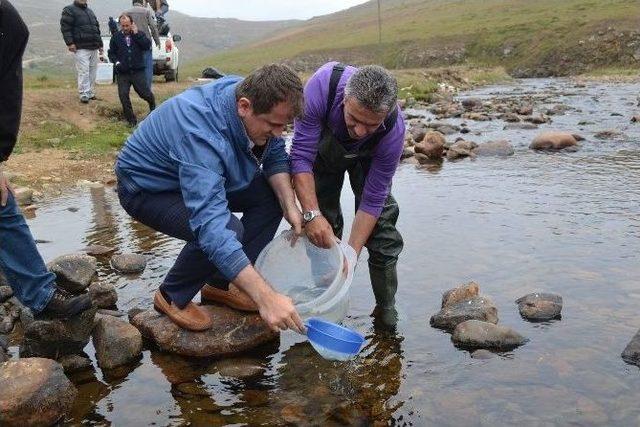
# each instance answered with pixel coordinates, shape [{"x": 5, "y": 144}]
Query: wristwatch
[{"x": 309, "y": 216}]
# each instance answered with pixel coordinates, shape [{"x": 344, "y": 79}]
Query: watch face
[{"x": 308, "y": 216}]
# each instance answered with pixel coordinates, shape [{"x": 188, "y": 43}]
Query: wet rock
[
  {"x": 432, "y": 145},
  {"x": 232, "y": 332},
  {"x": 74, "y": 363},
  {"x": 460, "y": 294},
  {"x": 635, "y": 119},
  {"x": 129, "y": 263},
  {"x": 407, "y": 152},
  {"x": 479, "y": 334},
  {"x": 558, "y": 110},
  {"x": 461, "y": 149},
  {"x": 98, "y": 250},
  {"x": 540, "y": 306},
  {"x": 417, "y": 131},
  {"x": 631, "y": 353},
  {"x": 113, "y": 313},
  {"x": 578, "y": 137},
  {"x": 477, "y": 308},
  {"x": 5, "y": 293},
  {"x": 103, "y": 295},
  {"x": 239, "y": 368},
  {"x": 35, "y": 392},
  {"x": 444, "y": 128},
  {"x": 553, "y": 141},
  {"x": 482, "y": 354},
  {"x": 6, "y": 324},
  {"x": 478, "y": 117},
  {"x": 23, "y": 196},
  {"x": 117, "y": 342},
  {"x": 471, "y": 103},
  {"x": 4, "y": 342},
  {"x": 608, "y": 134},
  {"x": 520, "y": 126},
  {"x": 421, "y": 158},
  {"x": 494, "y": 148},
  {"x": 53, "y": 338},
  {"x": 510, "y": 117},
  {"x": 524, "y": 110},
  {"x": 74, "y": 272},
  {"x": 4, "y": 356},
  {"x": 538, "y": 120}
]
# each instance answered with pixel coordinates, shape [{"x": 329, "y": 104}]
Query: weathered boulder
[
  {"x": 510, "y": 117},
  {"x": 407, "y": 152},
  {"x": 74, "y": 363},
  {"x": 129, "y": 263},
  {"x": 631, "y": 353},
  {"x": 538, "y": 119},
  {"x": 103, "y": 295},
  {"x": 117, "y": 342},
  {"x": 232, "y": 332},
  {"x": 74, "y": 272},
  {"x": 35, "y": 392},
  {"x": 494, "y": 148},
  {"x": 460, "y": 294},
  {"x": 540, "y": 306},
  {"x": 23, "y": 196},
  {"x": 478, "y": 334},
  {"x": 53, "y": 338},
  {"x": 470, "y": 104},
  {"x": 553, "y": 141},
  {"x": 432, "y": 145},
  {"x": 5, "y": 293},
  {"x": 477, "y": 308},
  {"x": 461, "y": 149},
  {"x": 524, "y": 110},
  {"x": 239, "y": 368},
  {"x": 417, "y": 131},
  {"x": 443, "y": 127}
]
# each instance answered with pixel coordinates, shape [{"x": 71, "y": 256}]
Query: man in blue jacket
[
  {"x": 210, "y": 151},
  {"x": 126, "y": 51}
]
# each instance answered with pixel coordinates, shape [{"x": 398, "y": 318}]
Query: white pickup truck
[{"x": 166, "y": 58}]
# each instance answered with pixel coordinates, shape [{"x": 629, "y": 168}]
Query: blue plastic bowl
[{"x": 333, "y": 341}]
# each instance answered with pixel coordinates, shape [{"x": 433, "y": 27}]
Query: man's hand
[
  {"x": 279, "y": 313},
  {"x": 134, "y": 28},
  {"x": 72, "y": 48},
  {"x": 320, "y": 233},
  {"x": 5, "y": 188}
]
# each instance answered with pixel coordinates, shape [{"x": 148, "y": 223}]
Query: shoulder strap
[{"x": 336, "y": 73}]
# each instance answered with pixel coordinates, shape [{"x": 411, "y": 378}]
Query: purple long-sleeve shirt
[{"x": 306, "y": 139}]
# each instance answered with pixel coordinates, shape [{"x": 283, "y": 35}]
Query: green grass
[
  {"x": 533, "y": 30},
  {"x": 46, "y": 81}
]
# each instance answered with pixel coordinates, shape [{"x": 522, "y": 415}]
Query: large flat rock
[
  {"x": 478, "y": 334},
  {"x": 476, "y": 308},
  {"x": 232, "y": 332}
]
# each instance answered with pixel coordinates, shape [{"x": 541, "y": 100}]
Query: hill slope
[
  {"x": 541, "y": 37},
  {"x": 200, "y": 36}
]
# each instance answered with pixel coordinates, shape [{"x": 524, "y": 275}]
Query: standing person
[
  {"x": 126, "y": 52},
  {"x": 160, "y": 8},
  {"x": 146, "y": 23},
  {"x": 209, "y": 151},
  {"x": 81, "y": 32},
  {"x": 352, "y": 125},
  {"x": 20, "y": 261}
]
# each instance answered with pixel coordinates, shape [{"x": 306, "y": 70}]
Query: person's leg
[
  {"x": 21, "y": 262},
  {"x": 167, "y": 213},
  {"x": 124, "y": 86},
  {"x": 82, "y": 68},
  {"x": 148, "y": 58},
  {"x": 93, "y": 70},
  {"x": 139, "y": 82}
]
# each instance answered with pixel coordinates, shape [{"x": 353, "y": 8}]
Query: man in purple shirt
[{"x": 352, "y": 124}]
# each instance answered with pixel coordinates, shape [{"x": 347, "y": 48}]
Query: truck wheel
[{"x": 171, "y": 75}]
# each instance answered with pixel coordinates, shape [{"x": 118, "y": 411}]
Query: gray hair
[{"x": 374, "y": 88}]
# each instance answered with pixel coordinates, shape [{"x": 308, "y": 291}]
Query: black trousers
[
  {"x": 138, "y": 80},
  {"x": 13, "y": 41}
]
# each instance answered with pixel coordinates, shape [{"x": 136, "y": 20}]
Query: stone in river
[
  {"x": 460, "y": 294},
  {"x": 35, "y": 392},
  {"x": 98, "y": 250},
  {"x": 103, "y": 295},
  {"x": 540, "y": 306},
  {"x": 129, "y": 263},
  {"x": 232, "y": 332},
  {"x": 553, "y": 141},
  {"x": 117, "y": 342},
  {"x": 631, "y": 353},
  {"x": 478, "y": 334},
  {"x": 494, "y": 148},
  {"x": 74, "y": 272},
  {"x": 477, "y": 308}
]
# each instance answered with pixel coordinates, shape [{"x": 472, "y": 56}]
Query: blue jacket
[
  {"x": 128, "y": 58},
  {"x": 197, "y": 144}
]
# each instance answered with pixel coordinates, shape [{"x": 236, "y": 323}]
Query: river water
[{"x": 567, "y": 223}]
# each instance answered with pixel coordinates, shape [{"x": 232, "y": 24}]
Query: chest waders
[{"x": 385, "y": 243}]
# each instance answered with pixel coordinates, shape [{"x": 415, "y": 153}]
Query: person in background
[
  {"x": 160, "y": 8},
  {"x": 20, "y": 262},
  {"x": 81, "y": 33},
  {"x": 126, "y": 52},
  {"x": 146, "y": 23},
  {"x": 113, "y": 26}
]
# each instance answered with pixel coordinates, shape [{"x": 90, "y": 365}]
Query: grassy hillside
[{"x": 541, "y": 37}]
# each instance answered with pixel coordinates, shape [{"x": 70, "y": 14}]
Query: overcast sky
[{"x": 261, "y": 10}]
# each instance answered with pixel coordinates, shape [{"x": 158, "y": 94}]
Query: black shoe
[
  {"x": 64, "y": 305},
  {"x": 84, "y": 99}
]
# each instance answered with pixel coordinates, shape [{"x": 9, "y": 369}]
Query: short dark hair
[
  {"x": 125, "y": 15},
  {"x": 135, "y": 2},
  {"x": 270, "y": 85}
]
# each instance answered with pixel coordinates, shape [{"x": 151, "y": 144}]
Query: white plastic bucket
[
  {"x": 104, "y": 73},
  {"x": 318, "y": 280}
]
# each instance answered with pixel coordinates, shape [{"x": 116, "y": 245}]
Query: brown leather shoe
[
  {"x": 192, "y": 317},
  {"x": 234, "y": 297}
]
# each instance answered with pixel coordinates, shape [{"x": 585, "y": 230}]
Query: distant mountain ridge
[{"x": 200, "y": 36}]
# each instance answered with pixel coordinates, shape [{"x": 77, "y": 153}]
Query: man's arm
[
  {"x": 281, "y": 184},
  {"x": 113, "y": 50},
  {"x": 66, "y": 28}
]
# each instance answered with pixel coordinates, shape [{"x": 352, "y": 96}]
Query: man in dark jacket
[
  {"x": 126, "y": 51},
  {"x": 20, "y": 261},
  {"x": 81, "y": 33}
]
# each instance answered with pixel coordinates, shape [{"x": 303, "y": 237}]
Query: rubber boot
[{"x": 384, "y": 281}]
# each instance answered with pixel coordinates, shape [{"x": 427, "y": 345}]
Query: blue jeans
[
  {"x": 21, "y": 262},
  {"x": 166, "y": 212},
  {"x": 148, "y": 60}
]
